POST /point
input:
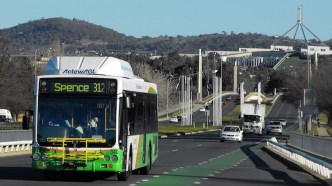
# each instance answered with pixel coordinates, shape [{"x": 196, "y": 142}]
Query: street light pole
[
  {"x": 309, "y": 66},
  {"x": 167, "y": 98}
]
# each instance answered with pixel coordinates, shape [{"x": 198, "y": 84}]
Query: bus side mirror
[{"x": 128, "y": 102}]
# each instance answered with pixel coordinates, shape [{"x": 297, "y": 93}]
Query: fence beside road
[
  {"x": 314, "y": 164},
  {"x": 15, "y": 140},
  {"x": 318, "y": 145},
  {"x": 15, "y": 135},
  {"x": 15, "y": 146}
]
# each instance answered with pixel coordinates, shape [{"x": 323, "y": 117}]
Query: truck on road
[{"x": 253, "y": 118}]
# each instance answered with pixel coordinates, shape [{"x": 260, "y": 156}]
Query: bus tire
[
  {"x": 124, "y": 176},
  {"x": 146, "y": 170}
]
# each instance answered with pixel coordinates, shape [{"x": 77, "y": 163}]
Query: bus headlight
[
  {"x": 44, "y": 157},
  {"x": 115, "y": 158},
  {"x": 106, "y": 158},
  {"x": 36, "y": 157}
]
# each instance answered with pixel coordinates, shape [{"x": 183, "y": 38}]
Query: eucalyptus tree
[{"x": 322, "y": 82}]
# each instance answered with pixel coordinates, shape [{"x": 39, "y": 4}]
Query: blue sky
[{"x": 178, "y": 17}]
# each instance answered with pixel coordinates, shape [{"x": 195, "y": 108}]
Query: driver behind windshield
[{"x": 59, "y": 119}]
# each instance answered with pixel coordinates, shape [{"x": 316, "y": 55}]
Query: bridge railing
[
  {"x": 15, "y": 140},
  {"x": 314, "y": 164},
  {"x": 318, "y": 145},
  {"x": 15, "y": 146}
]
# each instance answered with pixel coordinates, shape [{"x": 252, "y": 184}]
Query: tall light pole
[
  {"x": 235, "y": 77},
  {"x": 309, "y": 65},
  {"x": 167, "y": 93},
  {"x": 167, "y": 98},
  {"x": 199, "y": 76}
]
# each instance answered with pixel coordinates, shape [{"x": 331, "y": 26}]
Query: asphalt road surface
[{"x": 199, "y": 159}]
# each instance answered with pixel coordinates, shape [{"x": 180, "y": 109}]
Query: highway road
[
  {"x": 198, "y": 159},
  {"x": 200, "y": 117},
  {"x": 283, "y": 110}
]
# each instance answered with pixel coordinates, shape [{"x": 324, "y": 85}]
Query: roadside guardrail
[
  {"x": 15, "y": 140},
  {"x": 314, "y": 164},
  {"x": 15, "y": 146},
  {"x": 312, "y": 144}
]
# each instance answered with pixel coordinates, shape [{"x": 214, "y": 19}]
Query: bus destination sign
[{"x": 77, "y": 86}]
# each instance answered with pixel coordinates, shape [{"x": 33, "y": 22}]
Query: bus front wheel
[{"x": 124, "y": 176}]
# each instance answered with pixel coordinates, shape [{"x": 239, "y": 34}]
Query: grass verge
[{"x": 329, "y": 130}]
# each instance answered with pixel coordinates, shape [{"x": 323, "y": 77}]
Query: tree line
[
  {"x": 79, "y": 37},
  {"x": 17, "y": 77}
]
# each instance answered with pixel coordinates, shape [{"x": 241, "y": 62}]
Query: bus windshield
[{"x": 76, "y": 117}]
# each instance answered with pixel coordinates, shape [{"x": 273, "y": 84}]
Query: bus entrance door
[{"x": 145, "y": 127}]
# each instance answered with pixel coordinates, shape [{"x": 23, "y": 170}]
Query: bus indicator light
[{"x": 40, "y": 164}]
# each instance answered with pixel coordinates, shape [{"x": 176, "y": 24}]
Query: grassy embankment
[
  {"x": 314, "y": 132},
  {"x": 324, "y": 119}
]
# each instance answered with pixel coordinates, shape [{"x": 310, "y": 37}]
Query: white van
[{"x": 5, "y": 116}]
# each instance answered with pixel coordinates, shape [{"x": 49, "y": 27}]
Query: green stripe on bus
[{"x": 149, "y": 138}]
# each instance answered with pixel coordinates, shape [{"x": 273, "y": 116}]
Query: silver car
[{"x": 274, "y": 127}]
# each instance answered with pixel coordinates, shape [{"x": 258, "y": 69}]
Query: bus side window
[{"x": 131, "y": 115}]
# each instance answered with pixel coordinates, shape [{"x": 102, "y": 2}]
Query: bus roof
[{"x": 82, "y": 65}]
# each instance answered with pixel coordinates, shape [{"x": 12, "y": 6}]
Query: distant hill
[
  {"x": 82, "y": 38},
  {"x": 77, "y": 33}
]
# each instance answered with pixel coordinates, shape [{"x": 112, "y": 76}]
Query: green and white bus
[{"x": 93, "y": 114}]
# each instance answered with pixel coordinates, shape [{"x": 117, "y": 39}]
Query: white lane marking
[
  {"x": 175, "y": 150},
  {"x": 212, "y": 159}
]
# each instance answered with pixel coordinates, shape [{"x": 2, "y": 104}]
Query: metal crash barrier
[
  {"x": 317, "y": 165},
  {"x": 15, "y": 146}
]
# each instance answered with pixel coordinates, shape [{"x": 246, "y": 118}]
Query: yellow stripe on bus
[{"x": 138, "y": 149}]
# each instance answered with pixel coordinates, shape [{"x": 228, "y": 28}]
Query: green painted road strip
[{"x": 193, "y": 174}]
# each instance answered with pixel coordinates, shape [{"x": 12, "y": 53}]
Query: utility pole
[
  {"x": 235, "y": 77},
  {"x": 199, "y": 96}
]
